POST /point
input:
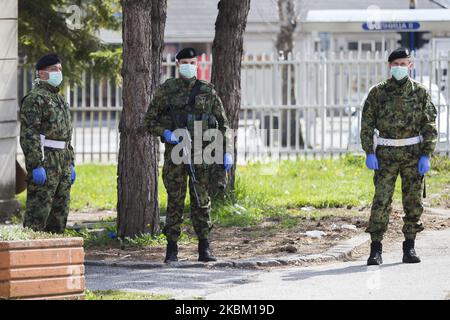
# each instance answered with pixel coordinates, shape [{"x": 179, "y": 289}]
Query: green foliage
[
  {"x": 14, "y": 232},
  {"x": 69, "y": 27},
  {"x": 106, "y": 237},
  {"x": 108, "y": 59},
  {"x": 123, "y": 295},
  {"x": 93, "y": 239},
  {"x": 146, "y": 240},
  {"x": 440, "y": 164}
]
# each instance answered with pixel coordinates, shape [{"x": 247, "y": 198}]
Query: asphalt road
[{"x": 343, "y": 280}]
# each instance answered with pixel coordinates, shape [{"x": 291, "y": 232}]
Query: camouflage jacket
[
  {"x": 399, "y": 110},
  {"x": 43, "y": 111},
  {"x": 208, "y": 108}
]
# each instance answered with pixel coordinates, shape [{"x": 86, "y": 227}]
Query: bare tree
[
  {"x": 137, "y": 184},
  {"x": 227, "y": 53},
  {"x": 288, "y": 16}
]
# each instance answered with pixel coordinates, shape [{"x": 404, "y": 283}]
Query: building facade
[
  {"x": 322, "y": 25},
  {"x": 8, "y": 106}
]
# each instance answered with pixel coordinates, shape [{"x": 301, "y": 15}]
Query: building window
[
  {"x": 353, "y": 46},
  {"x": 366, "y": 46},
  {"x": 378, "y": 46}
]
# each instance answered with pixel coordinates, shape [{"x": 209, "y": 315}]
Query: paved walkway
[{"x": 343, "y": 280}]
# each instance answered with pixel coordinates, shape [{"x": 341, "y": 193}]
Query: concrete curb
[{"x": 339, "y": 252}]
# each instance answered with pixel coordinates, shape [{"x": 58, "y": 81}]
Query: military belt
[
  {"x": 55, "y": 144},
  {"x": 399, "y": 142}
]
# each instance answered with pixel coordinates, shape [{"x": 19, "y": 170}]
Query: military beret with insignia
[
  {"x": 399, "y": 53},
  {"x": 186, "y": 53},
  {"x": 47, "y": 60}
]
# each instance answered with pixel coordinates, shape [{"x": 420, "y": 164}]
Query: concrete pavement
[
  {"x": 354, "y": 280},
  {"x": 344, "y": 280}
]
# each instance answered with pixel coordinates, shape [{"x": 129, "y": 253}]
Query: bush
[{"x": 13, "y": 233}]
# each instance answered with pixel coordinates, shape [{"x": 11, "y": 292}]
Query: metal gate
[{"x": 291, "y": 107}]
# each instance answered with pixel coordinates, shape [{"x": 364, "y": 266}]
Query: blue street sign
[{"x": 394, "y": 26}]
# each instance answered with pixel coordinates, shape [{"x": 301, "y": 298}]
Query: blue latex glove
[
  {"x": 424, "y": 165},
  {"x": 39, "y": 176},
  {"x": 372, "y": 162},
  {"x": 227, "y": 161},
  {"x": 73, "y": 175},
  {"x": 112, "y": 234},
  {"x": 170, "y": 137}
]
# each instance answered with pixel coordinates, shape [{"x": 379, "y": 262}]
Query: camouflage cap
[{"x": 399, "y": 53}]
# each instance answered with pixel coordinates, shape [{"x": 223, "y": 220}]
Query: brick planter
[{"x": 42, "y": 269}]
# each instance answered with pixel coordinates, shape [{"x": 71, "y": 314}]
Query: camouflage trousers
[
  {"x": 175, "y": 178},
  {"x": 47, "y": 206},
  {"x": 394, "y": 161}
]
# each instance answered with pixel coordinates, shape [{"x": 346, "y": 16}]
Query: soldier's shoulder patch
[
  {"x": 206, "y": 83},
  {"x": 206, "y": 86},
  {"x": 381, "y": 84},
  {"x": 169, "y": 83},
  {"x": 418, "y": 85},
  {"x": 373, "y": 90},
  {"x": 33, "y": 97}
]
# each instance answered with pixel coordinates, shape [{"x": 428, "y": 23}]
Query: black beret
[
  {"x": 399, "y": 53},
  {"x": 186, "y": 53},
  {"x": 47, "y": 60}
]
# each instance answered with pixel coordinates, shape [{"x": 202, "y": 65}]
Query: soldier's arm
[
  {"x": 71, "y": 153},
  {"x": 30, "y": 129},
  {"x": 70, "y": 133},
  {"x": 368, "y": 122},
  {"x": 222, "y": 121},
  {"x": 152, "y": 120},
  {"x": 428, "y": 126}
]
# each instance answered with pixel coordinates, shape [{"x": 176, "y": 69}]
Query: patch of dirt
[
  {"x": 90, "y": 216},
  {"x": 441, "y": 199},
  {"x": 271, "y": 238}
]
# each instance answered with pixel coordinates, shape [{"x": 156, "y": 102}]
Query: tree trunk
[
  {"x": 227, "y": 56},
  {"x": 287, "y": 13},
  {"x": 137, "y": 184}
]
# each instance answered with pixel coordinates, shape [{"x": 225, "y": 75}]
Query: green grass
[
  {"x": 15, "y": 232},
  {"x": 123, "y": 295},
  {"x": 279, "y": 190},
  {"x": 96, "y": 188},
  {"x": 265, "y": 190},
  {"x": 104, "y": 239}
]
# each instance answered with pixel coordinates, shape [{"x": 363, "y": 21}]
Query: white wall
[{"x": 8, "y": 104}]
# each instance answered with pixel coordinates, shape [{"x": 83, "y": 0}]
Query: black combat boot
[
  {"x": 171, "y": 252},
  {"x": 204, "y": 254},
  {"x": 409, "y": 254},
  {"x": 375, "y": 258}
]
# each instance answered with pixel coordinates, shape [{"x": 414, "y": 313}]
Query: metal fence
[{"x": 293, "y": 106}]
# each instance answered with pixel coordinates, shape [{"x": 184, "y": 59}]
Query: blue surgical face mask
[
  {"x": 55, "y": 78},
  {"x": 399, "y": 72},
  {"x": 188, "y": 70}
]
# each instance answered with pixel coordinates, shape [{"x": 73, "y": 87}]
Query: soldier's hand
[
  {"x": 372, "y": 162},
  {"x": 73, "y": 174},
  {"x": 227, "y": 161},
  {"x": 424, "y": 165},
  {"x": 39, "y": 176},
  {"x": 169, "y": 136}
]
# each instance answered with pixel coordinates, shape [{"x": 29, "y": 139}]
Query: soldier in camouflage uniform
[
  {"x": 400, "y": 113},
  {"x": 187, "y": 102},
  {"x": 45, "y": 134}
]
